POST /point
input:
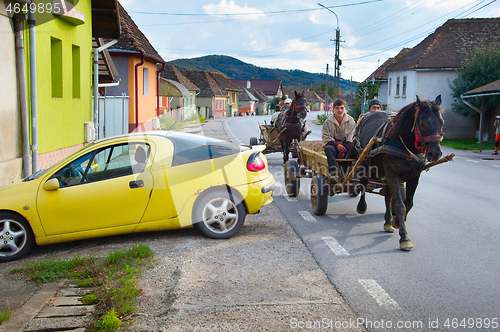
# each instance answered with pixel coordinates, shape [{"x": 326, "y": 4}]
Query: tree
[{"x": 483, "y": 68}]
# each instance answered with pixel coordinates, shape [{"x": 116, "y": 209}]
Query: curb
[{"x": 23, "y": 316}]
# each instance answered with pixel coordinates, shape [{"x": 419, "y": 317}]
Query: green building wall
[{"x": 64, "y": 78}]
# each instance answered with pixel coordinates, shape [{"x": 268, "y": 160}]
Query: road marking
[
  {"x": 378, "y": 293},
  {"x": 473, "y": 161},
  {"x": 335, "y": 246},
  {"x": 307, "y": 216},
  {"x": 290, "y": 199},
  {"x": 496, "y": 165}
]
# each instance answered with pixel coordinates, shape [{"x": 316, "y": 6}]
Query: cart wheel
[
  {"x": 292, "y": 179},
  {"x": 319, "y": 195},
  {"x": 253, "y": 141}
]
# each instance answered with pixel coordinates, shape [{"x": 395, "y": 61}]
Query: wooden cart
[
  {"x": 312, "y": 163},
  {"x": 270, "y": 137}
]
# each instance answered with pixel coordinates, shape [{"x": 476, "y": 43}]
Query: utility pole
[
  {"x": 326, "y": 89},
  {"x": 338, "y": 62}
]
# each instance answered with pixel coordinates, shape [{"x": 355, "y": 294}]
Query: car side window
[{"x": 106, "y": 163}]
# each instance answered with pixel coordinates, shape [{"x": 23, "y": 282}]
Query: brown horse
[
  {"x": 413, "y": 135},
  {"x": 289, "y": 121}
]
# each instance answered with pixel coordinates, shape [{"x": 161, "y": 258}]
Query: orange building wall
[{"x": 147, "y": 104}]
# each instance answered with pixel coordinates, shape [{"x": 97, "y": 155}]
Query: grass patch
[
  {"x": 115, "y": 279},
  {"x": 4, "y": 316},
  {"x": 168, "y": 123},
  {"x": 322, "y": 118},
  {"x": 467, "y": 144}
]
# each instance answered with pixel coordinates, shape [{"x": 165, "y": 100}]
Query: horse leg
[
  {"x": 286, "y": 149},
  {"x": 362, "y": 206},
  {"x": 388, "y": 211},
  {"x": 400, "y": 212}
]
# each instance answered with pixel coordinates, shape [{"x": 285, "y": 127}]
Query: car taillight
[{"x": 255, "y": 163}]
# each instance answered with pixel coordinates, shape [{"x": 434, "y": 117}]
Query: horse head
[
  {"x": 428, "y": 127},
  {"x": 299, "y": 106}
]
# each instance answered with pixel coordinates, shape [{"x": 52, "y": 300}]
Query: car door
[{"x": 105, "y": 188}]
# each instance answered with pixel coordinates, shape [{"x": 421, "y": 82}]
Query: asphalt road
[{"x": 448, "y": 282}]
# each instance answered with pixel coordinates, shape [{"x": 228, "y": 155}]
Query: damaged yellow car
[{"x": 133, "y": 183}]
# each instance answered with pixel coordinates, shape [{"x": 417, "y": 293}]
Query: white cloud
[{"x": 231, "y": 7}]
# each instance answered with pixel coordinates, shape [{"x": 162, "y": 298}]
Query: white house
[{"x": 428, "y": 69}]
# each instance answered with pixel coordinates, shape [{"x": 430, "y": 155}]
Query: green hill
[{"x": 237, "y": 69}]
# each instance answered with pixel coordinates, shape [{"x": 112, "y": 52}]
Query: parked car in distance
[{"x": 140, "y": 182}]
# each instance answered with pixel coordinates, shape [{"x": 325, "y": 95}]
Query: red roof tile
[
  {"x": 451, "y": 44},
  {"x": 132, "y": 38}
]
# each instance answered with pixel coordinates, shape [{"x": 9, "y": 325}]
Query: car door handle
[{"x": 136, "y": 184}]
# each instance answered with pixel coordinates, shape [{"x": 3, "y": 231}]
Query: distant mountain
[{"x": 237, "y": 69}]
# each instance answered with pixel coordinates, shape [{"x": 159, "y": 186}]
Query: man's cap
[
  {"x": 284, "y": 97},
  {"x": 288, "y": 100},
  {"x": 374, "y": 102}
]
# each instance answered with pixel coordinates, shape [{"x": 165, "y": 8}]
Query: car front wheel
[
  {"x": 218, "y": 215},
  {"x": 16, "y": 237}
]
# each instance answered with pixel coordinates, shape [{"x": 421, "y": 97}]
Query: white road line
[
  {"x": 378, "y": 293},
  {"x": 496, "y": 165},
  {"x": 473, "y": 161},
  {"x": 307, "y": 216},
  {"x": 290, "y": 199},
  {"x": 335, "y": 246}
]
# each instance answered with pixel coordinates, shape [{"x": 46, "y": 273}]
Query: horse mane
[{"x": 403, "y": 121}]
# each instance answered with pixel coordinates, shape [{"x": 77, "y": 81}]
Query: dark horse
[
  {"x": 413, "y": 135},
  {"x": 290, "y": 121}
]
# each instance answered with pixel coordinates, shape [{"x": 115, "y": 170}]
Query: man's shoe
[
  {"x": 334, "y": 177},
  {"x": 494, "y": 153}
]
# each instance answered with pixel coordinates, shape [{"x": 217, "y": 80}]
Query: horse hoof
[
  {"x": 388, "y": 228},
  {"x": 395, "y": 222},
  {"x": 406, "y": 245},
  {"x": 361, "y": 210}
]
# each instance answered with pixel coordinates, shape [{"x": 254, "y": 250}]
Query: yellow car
[{"x": 133, "y": 183}]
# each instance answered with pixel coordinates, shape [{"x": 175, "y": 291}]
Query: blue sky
[{"x": 297, "y": 34}]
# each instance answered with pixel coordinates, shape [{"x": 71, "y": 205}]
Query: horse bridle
[
  {"x": 298, "y": 108},
  {"x": 421, "y": 141}
]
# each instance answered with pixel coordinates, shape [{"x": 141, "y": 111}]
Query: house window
[
  {"x": 234, "y": 97},
  {"x": 390, "y": 85},
  {"x": 56, "y": 67},
  {"x": 397, "y": 86},
  {"x": 146, "y": 81},
  {"x": 404, "y": 86},
  {"x": 76, "y": 71}
]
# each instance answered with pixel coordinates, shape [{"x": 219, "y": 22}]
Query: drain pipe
[
  {"x": 158, "y": 72},
  {"x": 95, "y": 115},
  {"x": 33, "y": 88},
  {"x": 23, "y": 95},
  {"x": 137, "y": 92}
]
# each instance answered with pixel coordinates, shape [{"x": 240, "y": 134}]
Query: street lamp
[{"x": 337, "y": 51}]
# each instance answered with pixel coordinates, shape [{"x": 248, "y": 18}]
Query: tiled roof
[
  {"x": 171, "y": 73},
  {"x": 380, "y": 74},
  {"x": 261, "y": 96},
  {"x": 224, "y": 82},
  {"x": 312, "y": 97},
  {"x": 132, "y": 38},
  {"x": 288, "y": 92},
  {"x": 245, "y": 95},
  {"x": 451, "y": 44},
  {"x": 269, "y": 87},
  {"x": 207, "y": 85},
  {"x": 493, "y": 87}
]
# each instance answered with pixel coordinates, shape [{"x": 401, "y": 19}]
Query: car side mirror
[{"x": 51, "y": 184}]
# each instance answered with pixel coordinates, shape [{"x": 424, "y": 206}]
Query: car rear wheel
[
  {"x": 218, "y": 215},
  {"x": 16, "y": 237}
]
